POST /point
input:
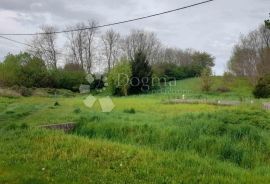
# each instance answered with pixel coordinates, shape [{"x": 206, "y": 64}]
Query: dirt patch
[
  {"x": 66, "y": 127},
  {"x": 209, "y": 102}
]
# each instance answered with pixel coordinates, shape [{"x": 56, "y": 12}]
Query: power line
[
  {"x": 15, "y": 41},
  {"x": 26, "y": 44},
  {"x": 107, "y": 25}
]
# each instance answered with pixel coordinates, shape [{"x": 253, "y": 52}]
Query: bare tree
[
  {"x": 90, "y": 44},
  {"x": 77, "y": 43},
  {"x": 81, "y": 44},
  {"x": 44, "y": 46},
  {"x": 175, "y": 56},
  {"x": 111, "y": 47},
  {"x": 146, "y": 42},
  {"x": 251, "y": 55}
]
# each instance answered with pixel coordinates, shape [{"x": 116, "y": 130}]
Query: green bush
[
  {"x": 9, "y": 70},
  {"x": 28, "y": 71},
  {"x": 118, "y": 78},
  {"x": 63, "y": 79},
  {"x": 23, "y": 70},
  {"x": 56, "y": 104},
  {"x": 77, "y": 111},
  {"x": 262, "y": 89},
  {"x": 170, "y": 71},
  {"x": 206, "y": 79},
  {"x": 130, "y": 111}
]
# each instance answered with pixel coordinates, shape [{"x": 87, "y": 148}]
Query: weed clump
[
  {"x": 56, "y": 104},
  {"x": 24, "y": 126},
  {"x": 12, "y": 126},
  {"x": 77, "y": 111},
  {"x": 130, "y": 111}
]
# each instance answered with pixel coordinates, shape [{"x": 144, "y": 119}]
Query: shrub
[
  {"x": 56, "y": 104},
  {"x": 63, "y": 79},
  {"x": 171, "y": 71},
  {"x": 31, "y": 73},
  {"x": 130, "y": 111},
  {"x": 99, "y": 82},
  {"x": 118, "y": 78},
  {"x": 9, "y": 70},
  {"x": 11, "y": 126},
  {"x": 77, "y": 111},
  {"x": 26, "y": 70},
  {"x": 24, "y": 126},
  {"x": 23, "y": 70},
  {"x": 206, "y": 79},
  {"x": 262, "y": 89}
]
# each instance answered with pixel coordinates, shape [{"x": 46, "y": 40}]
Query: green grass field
[{"x": 143, "y": 140}]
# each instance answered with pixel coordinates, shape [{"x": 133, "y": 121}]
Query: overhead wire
[{"x": 110, "y": 24}]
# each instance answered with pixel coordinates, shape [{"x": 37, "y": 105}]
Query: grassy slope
[
  {"x": 239, "y": 88},
  {"x": 160, "y": 143}
]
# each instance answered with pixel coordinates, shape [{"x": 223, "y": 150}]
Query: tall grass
[
  {"x": 39, "y": 157},
  {"x": 239, "y": 137}
]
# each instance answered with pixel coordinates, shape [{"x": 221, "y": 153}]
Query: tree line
[
  {"x": 251, "y": 59},
  {"x": 89, "y": 51}
]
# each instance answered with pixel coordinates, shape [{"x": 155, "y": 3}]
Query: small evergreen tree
[{"x": 141, "y": 80}]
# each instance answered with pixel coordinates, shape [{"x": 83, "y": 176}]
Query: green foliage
[
  {"x": 130, "y": 111},
  {"x": 70, "y": 80},
  {"x": 141, "y": 79},
  {"x": 228, "y": 78},
  {"x": 10, "y": 68},
  {"x": 32, "y": 72},
  {"x": 118, "y": 78},
  {"x": 23, "y": 70},
  {"x": 28, "y": 71},
  {"x": 56, "y": 104},
  {"x": 201, "y": 61},
  {"x": 262, "y": 89},
  {"x": 170, "y": 71},
  {"x": 206, "y": 79},
  {"x": 77, "y": 111},
  {"x": 267, "y": 23}
]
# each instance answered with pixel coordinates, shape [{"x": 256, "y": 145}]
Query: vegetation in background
[
  {"x": 206, "y": 79},
  {"x": 175, "y": 69},
  {"x": 251, "y": 55},
  {"x": 141, "y": 74},
  {"x": 25, "y": 70},
  {"x": 267, "y": 23},
  {"x": 118, "y": 78},
  {"x": 262, "y": 89}
]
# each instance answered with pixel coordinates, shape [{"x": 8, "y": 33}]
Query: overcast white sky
[{"x": 213, "y": 27}]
